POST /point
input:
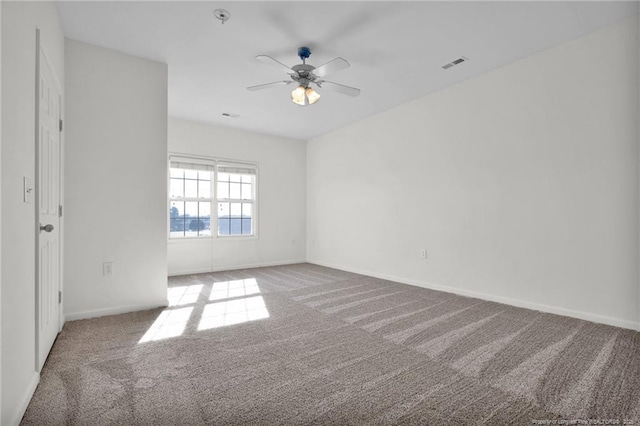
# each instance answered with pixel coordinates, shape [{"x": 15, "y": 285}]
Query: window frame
[{"x": 214, "y": 162}]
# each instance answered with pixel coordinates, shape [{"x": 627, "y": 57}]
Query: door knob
[{"x": 46, "y": 228}]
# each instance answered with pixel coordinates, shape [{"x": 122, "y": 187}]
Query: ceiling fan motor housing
[{"x": 303, "y": 74}]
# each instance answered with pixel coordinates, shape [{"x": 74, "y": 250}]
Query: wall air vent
[{"x": 454, "y": 63}]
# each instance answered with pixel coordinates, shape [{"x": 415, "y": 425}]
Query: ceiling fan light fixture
[
  {"x": 303, "y": 96},
  {"x": 312, "y": 95},
  {"x": 298, "y": 96}
]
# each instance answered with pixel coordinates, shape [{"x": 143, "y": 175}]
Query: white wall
[
  {"x": 522, "y": 184},
  {"x": 19, "y": 23},
  {"x": 281, "y": 199},
  {"x": 116, "y": 177},
  {"x": 0, "y": 212}
]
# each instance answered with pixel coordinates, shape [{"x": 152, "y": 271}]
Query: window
[
  {"x": 235, "y": 198},
  {"x": 193, "y": 192},
  {"x": 190, "y": 205}
]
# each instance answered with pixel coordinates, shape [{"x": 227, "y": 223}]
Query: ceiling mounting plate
[{"x": 222, "y": 15}]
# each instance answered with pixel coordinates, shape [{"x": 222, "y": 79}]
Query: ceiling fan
[{"x": 306, "y": 75}]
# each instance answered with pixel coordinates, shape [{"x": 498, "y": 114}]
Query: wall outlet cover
[{"x": 107, "y": 269}]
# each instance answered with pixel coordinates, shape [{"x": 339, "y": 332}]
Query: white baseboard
[
  {"x": 113, "y": 311},
  {"x": 616, "y": 322},
  {"x": 235, "y": 267},
  {"x": 21, "y": 408}
]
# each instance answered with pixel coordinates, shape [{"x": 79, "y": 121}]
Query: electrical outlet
[
  {"x": 107, "y": 269},
  {"x": 423, "y": 254}
]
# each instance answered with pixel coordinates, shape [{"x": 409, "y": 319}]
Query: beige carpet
[{"x": 303, "y": 344}]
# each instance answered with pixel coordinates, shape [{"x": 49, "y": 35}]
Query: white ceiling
[{"x": 396, "y": 50}]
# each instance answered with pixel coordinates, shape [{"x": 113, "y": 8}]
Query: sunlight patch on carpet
[
  {"x": 170, "y": 323},
  {"x": 237, "y": 288},
  {"x": 184, "y": 295},
  {"x": 230, "y": 312}
]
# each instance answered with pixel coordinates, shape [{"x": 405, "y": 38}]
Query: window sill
[
  {"x": 212, "y": 238},
  {"x": 236, "y": 237}
]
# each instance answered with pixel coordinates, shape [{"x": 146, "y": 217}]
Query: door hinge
[
  {"x": 60, "y": 210},
  {"x": 59, "y": 297},
  {"x": 61, "y": 124}
]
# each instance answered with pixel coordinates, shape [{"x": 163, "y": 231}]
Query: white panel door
[{"x": 48, "y": 196}]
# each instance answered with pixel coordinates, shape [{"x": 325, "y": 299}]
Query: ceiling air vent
[{"x": 454, "y": 63}]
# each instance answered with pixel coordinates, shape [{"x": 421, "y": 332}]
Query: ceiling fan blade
[
  {"x": 340, "y": 88},
  {"x": 269, "y": 60},
  {"x": 268, "y": 85},
  {"x": 333, "y": 65}
]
